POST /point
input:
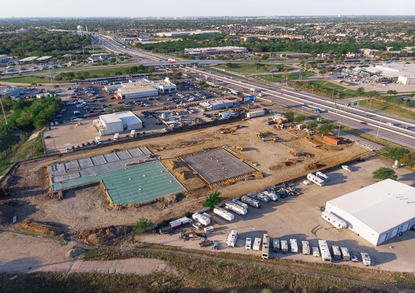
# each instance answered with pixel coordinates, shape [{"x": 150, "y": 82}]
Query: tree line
[{"x": 29, "y": 113}]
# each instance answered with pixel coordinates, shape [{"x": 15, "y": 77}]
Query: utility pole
[{"x": 4, "y": 113}]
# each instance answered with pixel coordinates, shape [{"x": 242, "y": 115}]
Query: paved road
[{"x": 376, "y": 123}]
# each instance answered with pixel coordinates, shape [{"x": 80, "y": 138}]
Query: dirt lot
[{"x": 87, "y": 208}]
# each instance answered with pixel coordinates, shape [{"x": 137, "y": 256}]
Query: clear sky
[{"x": 172, "y": 8}]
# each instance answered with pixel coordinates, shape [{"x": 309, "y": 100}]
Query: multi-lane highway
[
  {"x": 143, "y": 57},
  {"x": 392, "y": 128}
]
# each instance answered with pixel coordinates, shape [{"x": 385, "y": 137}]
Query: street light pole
[
  {"x": 4, "y": 113},
  {"x": 377, "y": 134}
]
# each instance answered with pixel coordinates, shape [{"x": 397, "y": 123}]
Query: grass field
[
  {"x": 390, "y": 109},
  {"x": 225, "y": 73},
  {"x": 344, "y": 92},
  {"x": 244, "y": 68},
  {"x": 279, "y": 77},
  {"x": 25, "y": 79}
]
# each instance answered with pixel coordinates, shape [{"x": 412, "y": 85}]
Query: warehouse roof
[
  {"x": 381, "y": 206},
  {"x": 128, "y": 117},
  {"x": 110, "y": 118}
]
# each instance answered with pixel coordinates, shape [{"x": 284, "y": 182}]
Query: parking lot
[{"x": 299, "y": 218}]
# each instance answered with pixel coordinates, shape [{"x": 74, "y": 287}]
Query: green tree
[
  {"x": 212, "y": 200},
  {"x": 403, "y": 53},
  {"x": 134, "y": 69},
  {"x": 127, "y": 71},
  {"x": 180, "y": 87},
  {"x": 394, "y": 153},
  {"x": 141, "y": 226},
  {"x": 299, "y": 119},
  {"x": 384, "y": 173},
  {"x": 265, "y": 56},
  {"x": 408, "y": 159},
  {"x": 312, "y": 125},
  {"x": 289, "y": 115},
  {"x": 326, "y": 129},
  {"x": 112, "y": 60},
  {"x": 360, "y": 91}
]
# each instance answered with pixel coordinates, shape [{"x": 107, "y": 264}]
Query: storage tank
[
  {"x": 223, "y": 214},
  {"x": 236, "y": 208}
]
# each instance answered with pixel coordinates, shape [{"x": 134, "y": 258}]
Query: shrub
[
  {"x": 212, "y": 199},
  {"x": 141, "y": 226},
  {"x": 384, "y": 173}
]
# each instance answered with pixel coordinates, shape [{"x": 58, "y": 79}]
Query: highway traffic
[{"x": 391, "y": 128}]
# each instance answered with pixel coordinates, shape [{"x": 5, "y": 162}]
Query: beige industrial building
[
  {"x": 117, "y": 122},
  {"x": 144, "y": 88},
  {"x": 377, "y": 212},
  {"x": 403, "y": 73}
]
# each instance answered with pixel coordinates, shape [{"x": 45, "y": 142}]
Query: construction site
[{"x": 163, "y": 177}]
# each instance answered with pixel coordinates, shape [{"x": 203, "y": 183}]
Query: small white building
[
  {"x": 3, "y": 59},
  {"x": 217, "y": 104},
  {"x": 117, "y": 122},
  {"x": 377, "y": 212}
]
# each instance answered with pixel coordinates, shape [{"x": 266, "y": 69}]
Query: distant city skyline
[{"x": 188, "y": 8}]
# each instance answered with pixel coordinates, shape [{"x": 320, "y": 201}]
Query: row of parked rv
[
  {"x": 319, "y": 178},
  {"x": 291, "y": 245}
]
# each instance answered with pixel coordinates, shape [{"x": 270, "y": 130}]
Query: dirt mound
[
  {"x": 331, "y": 148},
  {"x": 313, "y": 166},
  {"x": 48, "y": 229},
  {"x": 171, "y": 165},
  {"x": 101, "y": 235},
  {"x": 183, "y": 175},
  {"x": 276, "y": 167}
]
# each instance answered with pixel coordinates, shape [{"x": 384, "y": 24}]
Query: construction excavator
[{"x": 229, "y": 130}]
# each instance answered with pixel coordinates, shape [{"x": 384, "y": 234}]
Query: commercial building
[
  {"x": 185, "y": 33},
  {"x": 44, "y": 58},
  {"x": 377, "y": 212},
  {"x": 369, "y": 52},
  {"x": 117, "y": 122},
  {"x": 29, "y": 59},
  {"x": 216, "y": 50},
  {"x": 12, "y": 91},
  {"x": 144, "y": 88},
  {"x": 217, "y": 104},
  {"x": 403, "y": 73}
]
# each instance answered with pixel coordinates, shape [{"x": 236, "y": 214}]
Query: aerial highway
[
  {"x": 382, "y": 125},
  {"x": 143, "y": 57}
]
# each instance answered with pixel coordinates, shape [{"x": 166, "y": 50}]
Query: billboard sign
[{"x": 250, "y": 98}]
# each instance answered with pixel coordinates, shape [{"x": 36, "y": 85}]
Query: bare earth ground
[
  {"x": 23, "y": 254},
  {"x": 87, "y": 208}
]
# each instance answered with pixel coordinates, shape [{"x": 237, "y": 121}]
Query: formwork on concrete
[
  {"x": 133, "y": 185},
  {"x": 217, "y": 165}
]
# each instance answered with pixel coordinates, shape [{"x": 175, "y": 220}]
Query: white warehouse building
[
  {"x": 117, "y": 122},
  {"x": 377, "y": 212},
  {"x": 144, "y": 88}
]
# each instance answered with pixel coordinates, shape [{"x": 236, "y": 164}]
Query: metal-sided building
[
  {"x": 217, "y": 104},
  {"x": 117, "y": 122},
  {"x": 377, "y": 212}
]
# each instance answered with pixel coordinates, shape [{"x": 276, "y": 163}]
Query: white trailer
[
  {"x": 276, "y": 245},
  {"x": 316, "y": 252},
  {"x": 257, "y": 244},
  {"x": 366, "y": 259},
  {"x": 207, "y": 216},
  {"x": 201, "y": 219},
  {"x": 132, "y": 133},
  {"x": 345, "y": 167},
  {"x": 262, "y": 197},
  {"x": 255, "y": 113},
  {"x": 284, "y": 246},
  {"x": 116, "y": 136},
  {"x": 325, "y": 252},
  {"x": 271, "y": 194},
  {"x": 334, "y": 220},
  {"x": 98, "y": 140},
  {"x": 231, "y": 239},
  {"x": 179, "y": 222},
  {"x": 322, "y": 176},
  {"x": 251, "y": 201},
  {"x": 306, "y": 247},
  {"x": 223, "y": 214},
  {"x": 265, "y": 246},
  {"x": 336, "y": 252},
  {"x": 345, "y": 253},
  {"x": 294, "y": 245},
  {"x": 240, "y": 203},
  {"x": 235, "y": 208},
  {"x": 315, "y": 179}
]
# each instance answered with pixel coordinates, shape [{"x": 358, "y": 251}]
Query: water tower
[{"x": 80, "y": 30}]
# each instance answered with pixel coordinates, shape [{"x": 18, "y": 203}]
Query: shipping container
[{"x": 331, "y": 140}]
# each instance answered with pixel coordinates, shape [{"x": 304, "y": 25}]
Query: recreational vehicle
[
  {"x": 294, "y": 245},
  {"x": 345, "y": 253},
  {"x": 251, "y": 201},
  {"x": 257, "y": 244},
  {"x": 336, "y": 252},
  {"x": 262, "y": 197},
  {"x": 306, "y": 247},
  {"x": 240, "y": 203},
  {"x": 325, "y": 252},
  {"x": 315, "y": 179},
  {"x": 223, "y": 214},
  {"x": 201, "y": 219},
  {"x": 265, "y": 246},
  {"x": 334, "y": 220},
  {"x": 271, "y": 194},
  {"x": 276, "y": 245},
  {"x": 235, "y": 208},
  {"x": 284, "y": 246},
  {"x": 231, "y": 239}
]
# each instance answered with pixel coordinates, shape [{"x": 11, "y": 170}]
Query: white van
[
  {"x": 116, "y": 136},
  {"x": 98, "y": 140}
]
